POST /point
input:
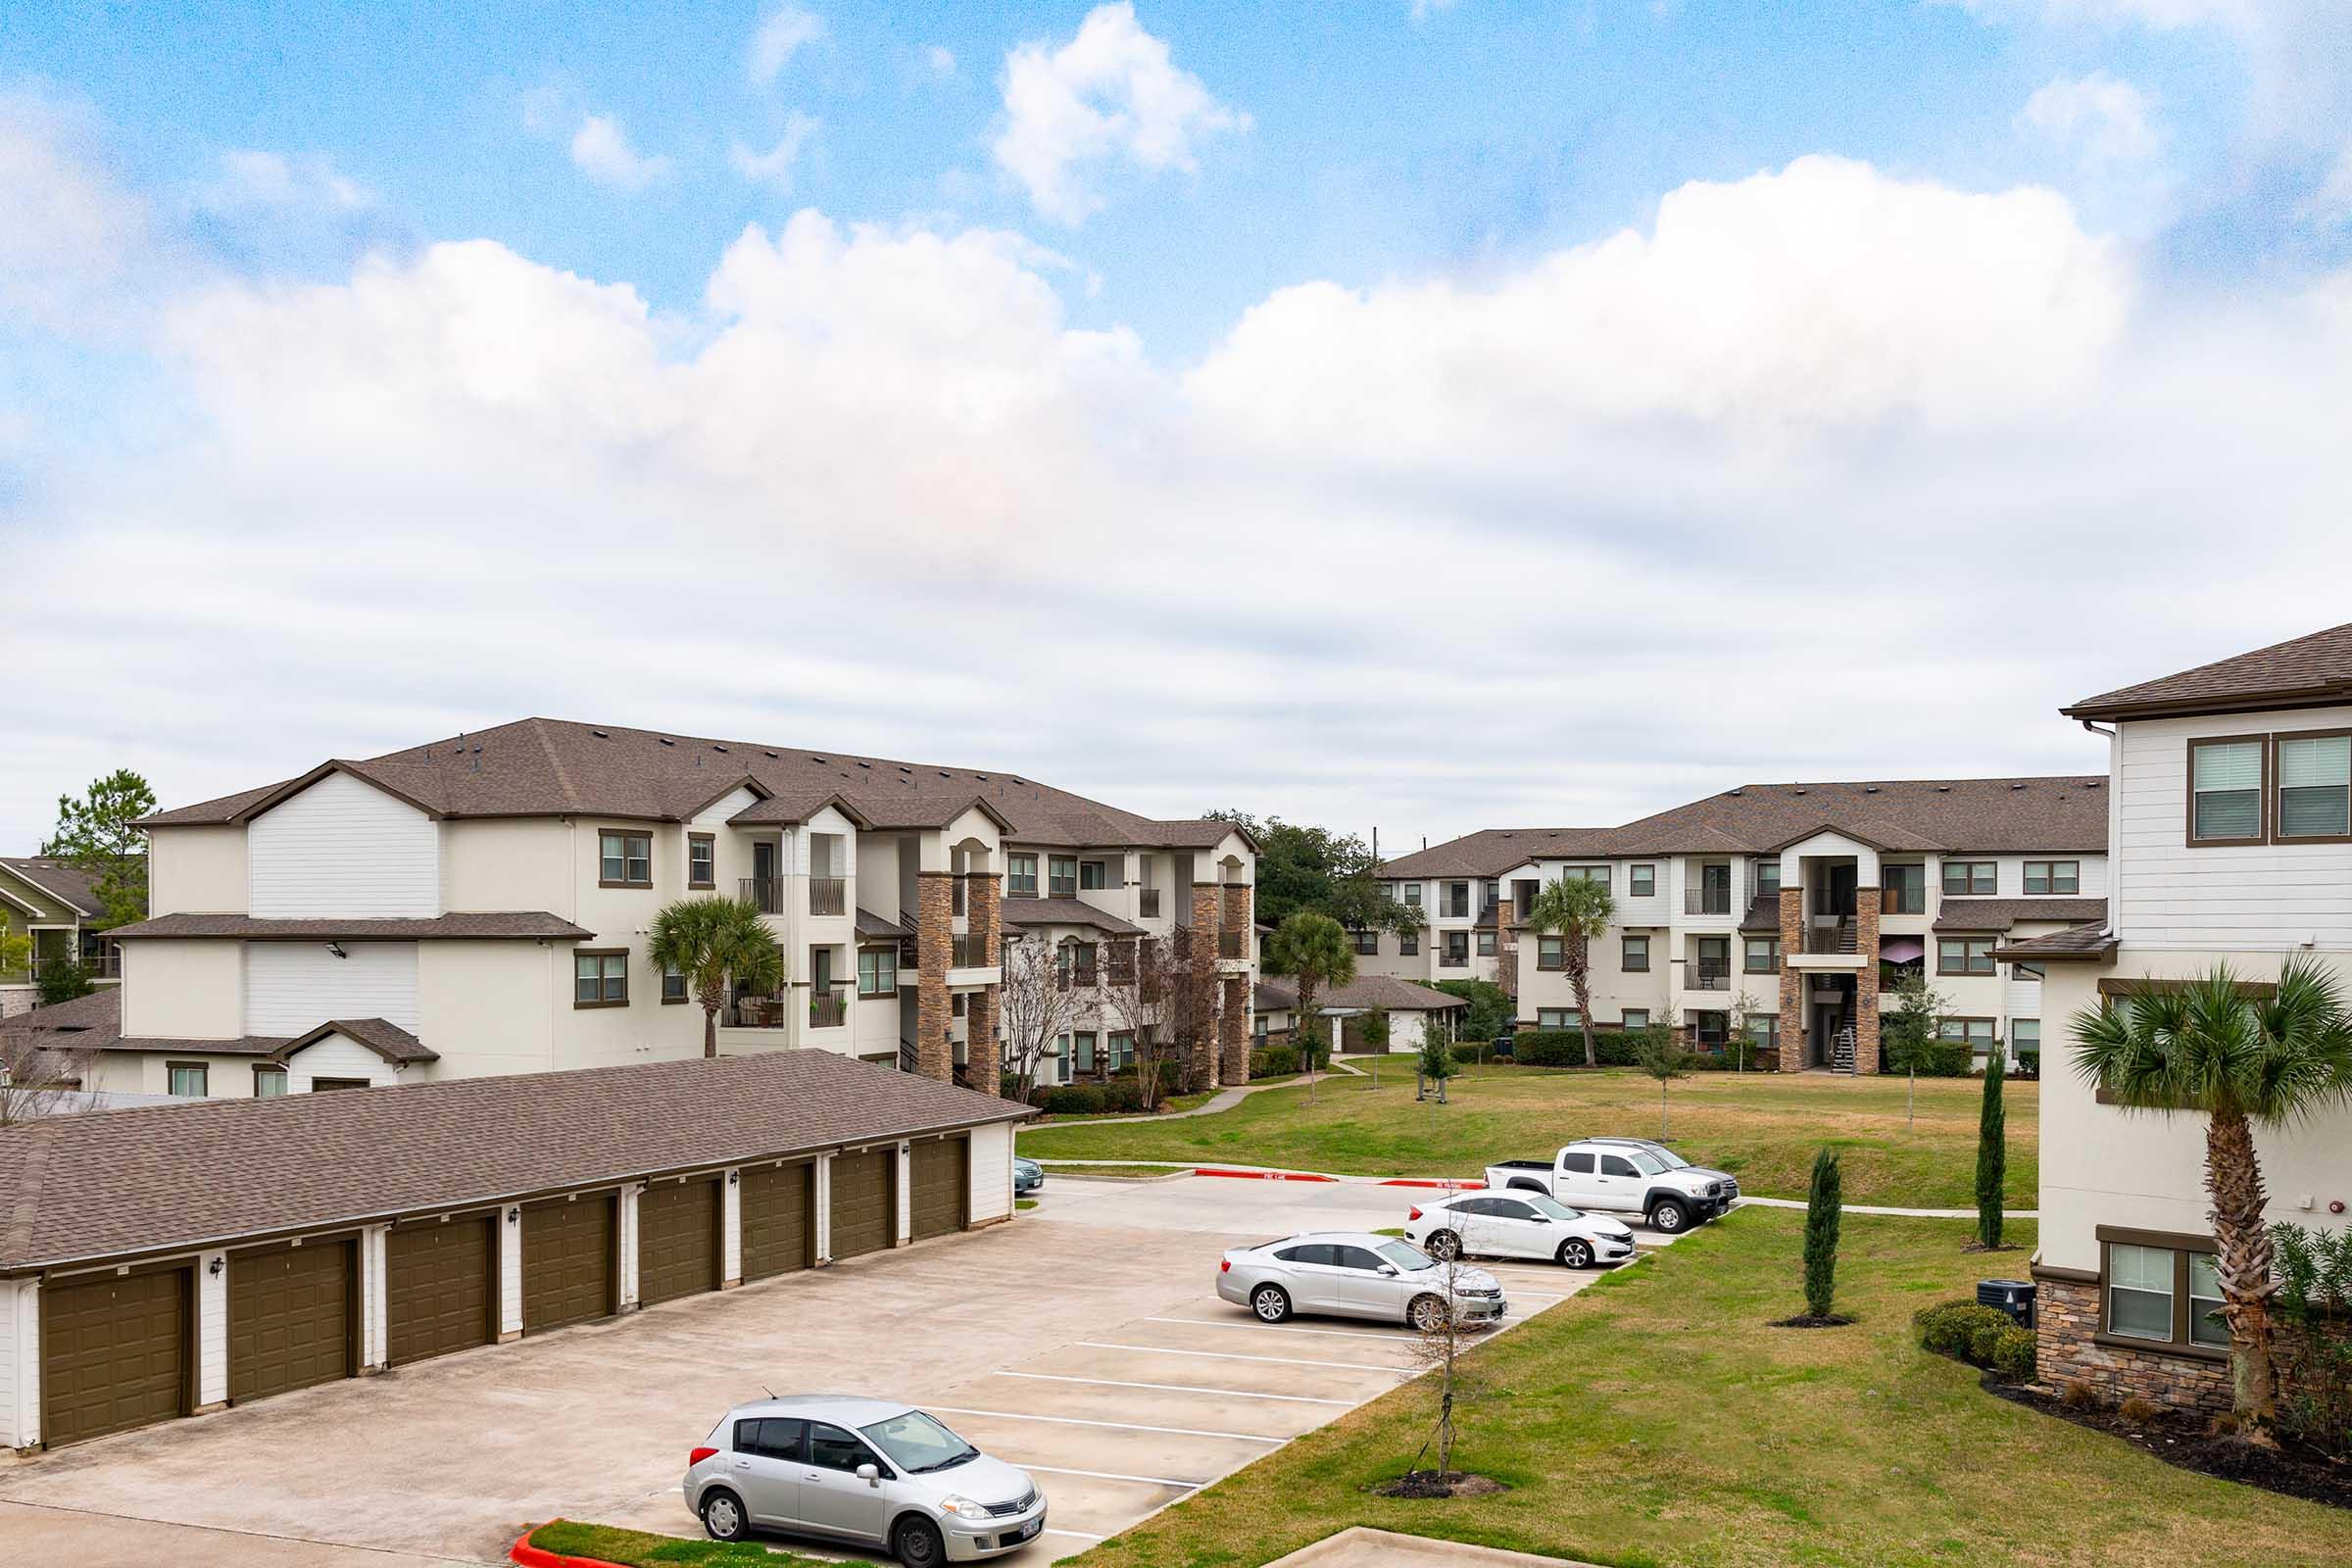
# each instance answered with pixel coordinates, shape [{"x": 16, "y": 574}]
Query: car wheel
[
  {"x": 1444, "y": 1245},
  {"x": 1669, "y": 1216},
  {"x": 723, "y": 1518},
  {"x": 1427, "y": 1313},
  {"x": 1575, "y": 1254},
  {"x": 1271, "y": 1303},
  {"x": 916, "y": 1543}
]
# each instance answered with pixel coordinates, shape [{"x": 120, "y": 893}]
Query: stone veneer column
[
  {"x": 1235, "y": 897},
  {"x": 984, "y": 892},
  {"x": 1793, "y": 980},
  {"x": 1866, "y": 980},
  {"x": 934, "y": 931},
  {"x": 1200, "y": 1054},
  {"x": 1233, "y": 1030}
]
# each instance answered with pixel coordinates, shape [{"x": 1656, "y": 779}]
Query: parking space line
[
  {"x": 1109, "y": 1475},
  {"x": 1286, "y": 1328},
  {"x": 1229, "y": 1355},
  {"x": 1176, "y": 1387},
  {"x": 1115, "y": 1426},
  {"x": 1074, "y": 1534}
]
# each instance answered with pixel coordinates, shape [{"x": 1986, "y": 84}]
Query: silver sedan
[{"x": 1356, "y": 1274}]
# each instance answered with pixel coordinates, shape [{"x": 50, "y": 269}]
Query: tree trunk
[
  {"x": 712, "y": 997},
  {"x": 1580, "y": 976},
  {"x": 1663, "y": 1135},
  {"x": 2234, "y": 1180}
]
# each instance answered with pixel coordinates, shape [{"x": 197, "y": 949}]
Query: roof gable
[{"x": 2301, "y": 673}]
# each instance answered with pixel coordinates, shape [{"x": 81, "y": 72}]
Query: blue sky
[{"x": 1396, "y": 338}]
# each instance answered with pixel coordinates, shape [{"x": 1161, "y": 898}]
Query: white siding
[
  {"x": 211, "y": 1330},
  {"x": 2020, "y": 999},
  {"x": 730, "y": 1229},
  {"x": 991, "y": 1155},
  {"x": 19, "y": 1362},
  {"x": 628, "y": 1244},
  {"x": 375, "y": 1299},
  {"x": 335, "y": 1056},
  {"x": 825, "y": 1208},
  {"x": 509, "y": 1272},
  {"x": 343, "y": 848},
  {"x": 905, "y": 1185},
  {"x": 293, "y": 987}
]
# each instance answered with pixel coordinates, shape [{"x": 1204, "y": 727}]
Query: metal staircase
[{"x": 1841, "y": 1049}]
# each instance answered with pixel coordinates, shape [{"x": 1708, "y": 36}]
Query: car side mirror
[
  {"x": 1387, "y": 1271},
  {"x": 869, "y": 1475}
]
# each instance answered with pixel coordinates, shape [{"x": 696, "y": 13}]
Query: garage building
[{"x": 169, "y": 1260}]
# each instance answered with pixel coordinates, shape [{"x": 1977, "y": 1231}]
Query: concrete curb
[
  {"x": 530, "y": 1556},
  {"x": 1360, "y": 1545}
]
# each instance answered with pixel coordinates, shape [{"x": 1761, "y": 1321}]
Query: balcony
[
  {"x": 1710, "y": 977},
  {"x": 830, "y": 894},
  {"x": 1839, "y": 938},
  {"x": 763, "y": 893},
  {"x": 1707, "y": 901},
  {"x": 828, "y": 1009},
  {"x": 1149, "y": 903},
  {"x": 968, "y": 951},
  {"x": 753, "y": 1012}
]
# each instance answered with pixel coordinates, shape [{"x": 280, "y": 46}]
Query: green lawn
[
  {"x": 1655, "y": 1420},
  {"x": 1762, "y": 1127},
  {"x": 635, "y": 1549}
]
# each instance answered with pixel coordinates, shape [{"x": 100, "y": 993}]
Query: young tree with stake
[
  {"x": 1909, "y": 1033},
  {"x": 1663, "y": 1056},
  {"x": 1992, "y": 1152}
]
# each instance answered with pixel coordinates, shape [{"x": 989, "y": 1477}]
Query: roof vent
[
  {"x": 816, "y": 759},
  {"x": 1800, "y": 789},
  {"x": 767, "y": 754},
  {"x": 866, "y": 764},
  {"x": 1870, "y": 789},
  {"x": 665, "y": 740},
  {"x": 904, "y": 768},
  {"x": 722, "y": 750},
  {"x": 1943, "y": 788},
  {"x": 2016, "y": 786},
  {"x": 1731, "y": 792},
  {"x": 2092, "y": 783},
  {"x": 600, "y": 734}
]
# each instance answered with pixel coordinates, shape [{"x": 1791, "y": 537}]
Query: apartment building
[
  {"x": 2232, "y": 826},
  {"x": 51, "y": 904},
  {"x": 481, "y": 904},
  {"x": 1786, "y": 910}
]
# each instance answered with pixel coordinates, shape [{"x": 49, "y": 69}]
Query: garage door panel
[
  {"x": 439, "y": 1286},
  {"x": 290, "y": 1317},
  {"x": 677, "y": 1240},
  {"x": 566, "y": 1262},
  {"x": 865, "y": 1203},
  {"x": 942, "y": 1176},
  {"x": 778, "y": 1219},
  {"x": 114, "y": 1353}
]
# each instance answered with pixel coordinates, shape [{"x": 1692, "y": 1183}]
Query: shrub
[
  {"x": 2080, "y": 1396},
  {"x": 62, "y": 980},
  {"x": 1273, "y": 1061},
  {"x": 1953, "y": 1328},
  {"x": 2029, "y": 1062},
  {"x": 1948, "y": 1058},
  {"x": 1070, "y": 1100},
  {"x": 2013, "y": 1354},
  {"x": 1489, "y": 1010},
  {"x": 2137, "y": 1410},
  {"x": 1565, "y": 1047}
]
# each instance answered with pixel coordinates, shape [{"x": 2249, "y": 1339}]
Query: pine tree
[
  {"x": 1992, "y": 1151},
  {"x": 1822, "y": 1211}
]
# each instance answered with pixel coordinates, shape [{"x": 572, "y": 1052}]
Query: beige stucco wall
[
  {"x": 196, "y": 869},
  {"x": 492, "y": 1006},
  {"x": 183, "y": 990},
  {"x": 510, "y": 863}
]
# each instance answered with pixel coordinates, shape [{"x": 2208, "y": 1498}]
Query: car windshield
[
  {"x": 1548, "y": 1208},
  {"x": 1667, "y": 1157},
  {"x": 1407, "y": 1256},
  {"x": 1647, "y": 1163},
  {"x": 918, "y": 1445}
]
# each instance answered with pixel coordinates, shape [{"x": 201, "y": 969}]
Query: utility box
[{"x": 2013, "y": 1296}]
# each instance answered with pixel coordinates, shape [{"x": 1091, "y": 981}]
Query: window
[
  {"x": 1367, "y": 944},
  {"x": 1764, "y": 1029},
  {"x": 1964, "y": 955},
  {"x": 2167, "y": 1294},
  {"x": 1084, "y": 1060},
  {"x": 2022, "y": 970},
  {"x": 599, "y": 977},
  {"x": 1633, "y": 956},
  {"x": 673, "y": 984},
  {"x": 624, "y": 860},
  {"x": 2225, "y": 788},
  {"x": 1312, "y": 1253},
  {"x": 1090, "y": 875},
  {"x": 1412, "y": 894},
  {"x": 1457, "y": 949},
  {"x": 1578, "y": 1165},
  {"x": 1585, "y": 873},
  {"x": 1457, "y": 900},
  {"x": 2315, "y": 786},
  {"x": 1558, "y": 1018},
  {"x": 1768, "y": 879},
  {"x": 1634, "y": 1019},
  {"x": 959, "y": 1003},
  {"x": 2025, "y": 1033},
  {"x": 1121, "y": 1047},
  {"x": 1642, "y": 881},
  {"x": 1763, "y": 955},
  {"x": 702, "y": 861},
  {"x": 1486, "y": 944},
  {"x": 2054, "y": 876},
  {"x": 831, "y": 1449},
  {"x": 1617, "y": 1166},
  {"x": 877, "y": 971},
  {"x": 769, "y": 1437},
  {"x": 267, "y": 1082},
  {"x": 1061, "y": 876},
  {"x": 1962, "y": 878},
  {"x": 1409, "y": 944},
  {"x": 1710, "y": 1028},
  {"x": 1021, "y": 874},
  {"x": 1975, "y": 1033},
  {"x": 1905, "y": 889},
  {"x": 187, "y": 1079},
  {"x": 1552, "y": 952}
]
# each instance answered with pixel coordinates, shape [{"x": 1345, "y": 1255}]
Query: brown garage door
[
  {"x": 437, "y": 1286},
  {"x": 865, "y": 1202},
  {"x": 940, "y": 1182},
  {"x": 114, "y": 1353},
  {"x": 777, "y": 1206},
  {"x": 677, "y": 1240},
  {"x": 290, "y": 1317},
  {"x": 566, "y": 1262}
]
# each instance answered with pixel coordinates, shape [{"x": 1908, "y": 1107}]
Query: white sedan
[{"x": 1517, "y": 1225}]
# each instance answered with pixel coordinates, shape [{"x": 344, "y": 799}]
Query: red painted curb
[
  {"x": 1263, "y": 1175},
  {"x": 532, "y": 1556},
  {"x": 1451, "y": 1187}
]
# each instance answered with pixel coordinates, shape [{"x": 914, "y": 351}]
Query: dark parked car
[{"x": 1027, "y": 1176}]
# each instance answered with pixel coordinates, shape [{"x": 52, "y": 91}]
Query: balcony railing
[
  {"x": 1706, "y": 900},
  {"x": 1903, "y": 901},
  {"x": 754, "y": 1012},
  {"x": 968, "y": 951},
  {"x": 828, "y": 1009},
  {"x": 1149, "y": 903},
  {"x": 1229, "y": 944},
  {"x": 829, "y": 895},
  {"x": 1710, "y": 977},
  {"x": 1839, "y": 938},
  {"x": 763, "y": 893}
]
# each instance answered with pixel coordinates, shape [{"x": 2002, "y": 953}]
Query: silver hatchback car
[
  {"x": 1356, "y": 1274},
  {"x": 871, "y": 1472}
]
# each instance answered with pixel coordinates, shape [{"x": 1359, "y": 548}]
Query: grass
[
  {"x": 1762, "y": 1127},
  {"x": 1107, "y": 1170},
  {"x": 635, "y": 1549},
  {"x": 1024, "y": 1202},
  {"x": 1655, "y": 1422}
]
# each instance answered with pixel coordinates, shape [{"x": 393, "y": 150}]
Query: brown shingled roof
[
  {"x": 2000, "y": 914},
  {"x": 2080, "y": 942},
  {"x": 385, "y": 1038},
  {"x": 513, "y": 924},
  {"x": 2300, "y": 672},
  {"x": 121, "y": 1183},
  {"x": 60, "y": 879},
  {"x": 1490, "y": 851},
  {"x": 1364, "y": 991},
  {"x": 1064, "y": 911}
]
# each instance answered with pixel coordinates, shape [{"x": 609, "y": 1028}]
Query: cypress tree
[
  {"x": 1823, "y": 1207},
  {"x": 1992, "y": 1151}
]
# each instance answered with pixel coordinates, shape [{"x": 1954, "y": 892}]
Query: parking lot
[{"x": 1084, "y": 1341}]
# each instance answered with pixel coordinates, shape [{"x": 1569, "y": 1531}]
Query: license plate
[{"x": 1028, "y": 1530}]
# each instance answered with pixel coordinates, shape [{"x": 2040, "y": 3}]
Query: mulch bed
[
  {"x": 1806, "y": 1320},
  {"x": 1441, "y": 1484},
  {"x": 2292, "y": 1470}
]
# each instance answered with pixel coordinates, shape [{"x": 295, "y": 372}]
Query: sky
[{"x": 1411, "y": 415}]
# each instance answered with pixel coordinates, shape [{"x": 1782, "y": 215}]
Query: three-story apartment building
[
  {"x": 482, "y": 904},
  {"x": 2232, "y": 822},
  {"x": 1786, "y": 909}
]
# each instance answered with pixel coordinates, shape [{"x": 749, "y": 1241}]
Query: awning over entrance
[{"x": 1901, "y": 950}]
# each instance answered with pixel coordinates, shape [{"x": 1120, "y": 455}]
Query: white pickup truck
[{"x": 1624, "y": 1177}]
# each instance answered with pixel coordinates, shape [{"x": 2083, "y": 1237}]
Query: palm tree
[
  {"x": 711, "y": 940},
  {"x": 1576, "y": 910},
  {"x": 1313, "y": 950},
  {"x": 2211, "y": 1046}
]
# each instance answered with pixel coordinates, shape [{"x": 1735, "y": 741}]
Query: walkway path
[{"x": 1223, "y": 1099}]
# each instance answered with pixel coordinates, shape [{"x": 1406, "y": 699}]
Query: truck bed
[{"x": 1520, "y": 1164}]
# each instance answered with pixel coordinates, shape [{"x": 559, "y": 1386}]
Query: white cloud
[
  {"x": 2332, "y": 203},
  {"x": 1111, "y": 91},
  {"x": 941, "y": 59},
  {"x": 601, "y": 150},
  {"x": 2103, "y": 121},
  {"x": 253, "y": 178},
  {"x": 783, "y": 33},
  {"x": 1423, "y": 10},
  {"x": 73, "y": 233},
  {"x": 775, "y": 166}
]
